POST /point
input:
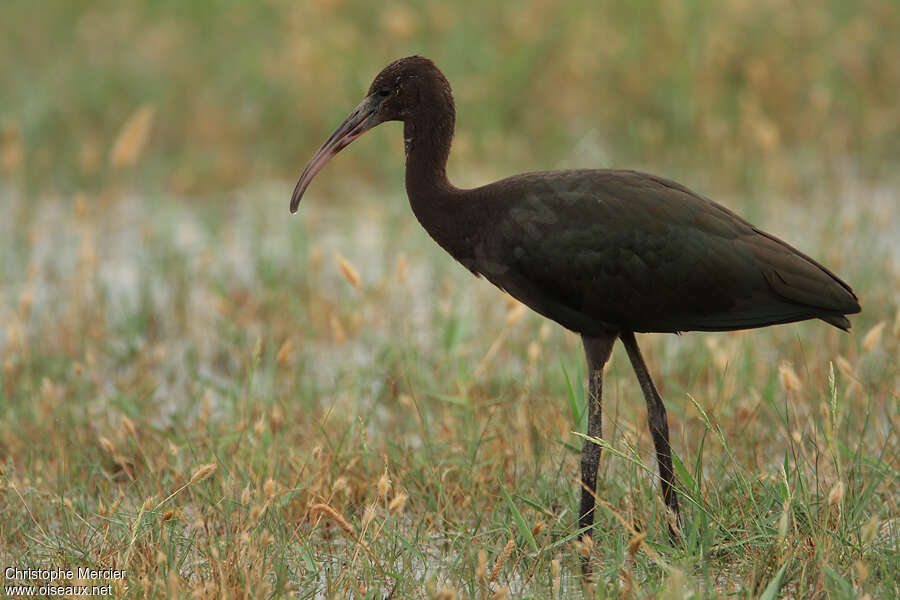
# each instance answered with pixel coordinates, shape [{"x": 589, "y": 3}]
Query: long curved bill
[{"x": 363, "y": 118}]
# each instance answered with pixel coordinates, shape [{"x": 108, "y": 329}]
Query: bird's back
[{"x": 600, "y": 250}]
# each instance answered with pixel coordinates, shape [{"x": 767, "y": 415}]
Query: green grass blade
[
  {"x": 521, "y": 525},
  {"x": 771, "y": 591},
  {"x": 570, "y": 396}
]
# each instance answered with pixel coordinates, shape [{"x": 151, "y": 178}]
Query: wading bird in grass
[{"x": 604, "y": 253}]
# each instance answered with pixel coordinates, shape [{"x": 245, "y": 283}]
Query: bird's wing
[{"x": 611, "y": 250}]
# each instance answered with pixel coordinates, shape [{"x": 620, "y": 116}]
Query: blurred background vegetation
[
  {"x": 188, "y": 376},
  {"x": 244, "y": 91}
]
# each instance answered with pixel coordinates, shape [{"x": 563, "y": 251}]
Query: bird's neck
[
  {"x": 427, "y": 137},
  {"x": 436, "y": 203}
]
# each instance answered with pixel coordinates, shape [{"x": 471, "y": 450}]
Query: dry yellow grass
[
  {"x": 132, "y": 138},
  {"x": 191, "y": 391}
]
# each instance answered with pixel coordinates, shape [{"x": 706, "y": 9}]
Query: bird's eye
[{"x": 384, "y": 92}]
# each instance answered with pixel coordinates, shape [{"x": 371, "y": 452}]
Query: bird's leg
[
  {"x": 659, "y": 429},
  {"x": 597, "y": 349}
]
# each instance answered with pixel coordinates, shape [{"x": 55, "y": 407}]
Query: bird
[{"x": 604, "y": 253}]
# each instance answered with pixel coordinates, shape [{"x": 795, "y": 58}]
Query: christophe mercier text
[{"x": 50, "y": 575}]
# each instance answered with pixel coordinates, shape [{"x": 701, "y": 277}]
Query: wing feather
[{"x": 601, "y": 250}]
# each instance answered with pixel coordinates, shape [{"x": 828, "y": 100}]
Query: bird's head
[{"x": 397, "y": 92}]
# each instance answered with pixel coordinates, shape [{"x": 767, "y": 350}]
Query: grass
[
  {"x": 414, "y": 434},
  {"x": 769, "y": 94},
  {"x": 198, "y": 390}
]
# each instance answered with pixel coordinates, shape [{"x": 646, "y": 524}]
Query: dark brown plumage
[{"x": 604, "y": 253}]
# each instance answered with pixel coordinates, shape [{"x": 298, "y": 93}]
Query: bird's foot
[
  {"x": 674, "y": 525},
  {"x": 585, "y": 548}
]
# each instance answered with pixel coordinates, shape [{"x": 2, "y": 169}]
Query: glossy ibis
[{"x": 604, "y": 253}]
